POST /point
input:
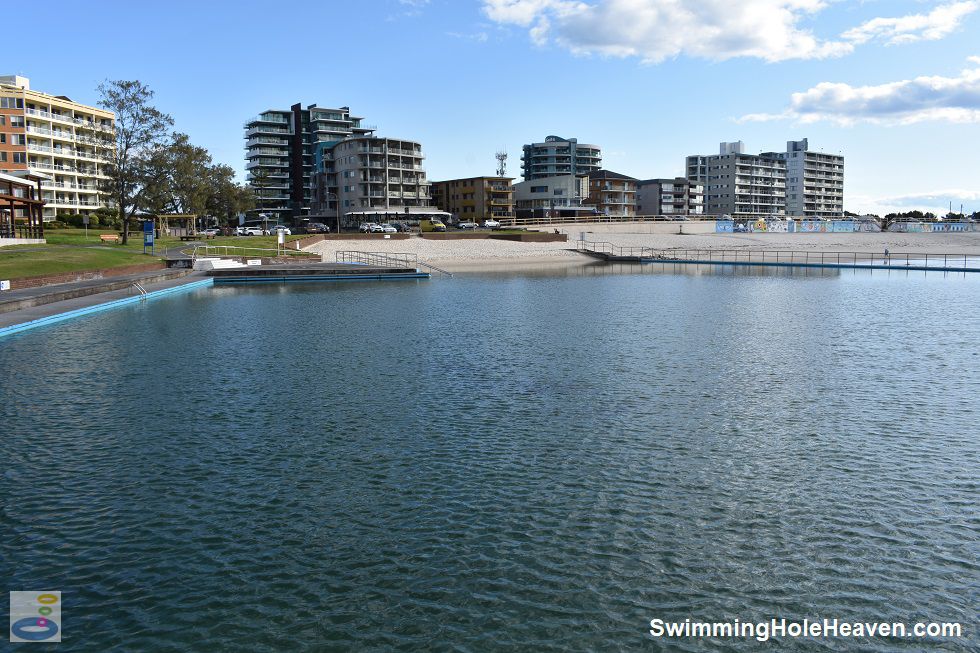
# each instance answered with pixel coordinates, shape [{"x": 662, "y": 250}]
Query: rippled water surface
[{"x": 499, "y": 462}]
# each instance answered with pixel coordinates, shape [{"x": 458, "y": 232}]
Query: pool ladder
[{"x": 141, "y": 289}]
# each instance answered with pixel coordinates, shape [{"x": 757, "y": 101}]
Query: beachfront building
[
  {"x": 744, "y": 186},
  {"x": 369, "y": 179},
  {"x": 66, "y": 144},
  {"x": 814, "y": 182},
  {"x": 280, "y": 148},
  {"x": 476, "y": 199},
  {"x": 558, "y": 196},
  {"x": 559, "y": 156},
  {"x": 669, "y": 197},
  {"x": 611, "y": 193}
]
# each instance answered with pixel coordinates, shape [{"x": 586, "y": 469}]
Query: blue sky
[{"x": 893, "y": 85}]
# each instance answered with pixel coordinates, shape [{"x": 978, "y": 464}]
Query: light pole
[{"x": 337, "y": 210}]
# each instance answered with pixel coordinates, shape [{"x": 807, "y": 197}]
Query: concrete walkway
[{"x": 93, "y": 293}]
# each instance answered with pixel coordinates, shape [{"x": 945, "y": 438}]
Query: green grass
[{"x": 56, "y": 259}]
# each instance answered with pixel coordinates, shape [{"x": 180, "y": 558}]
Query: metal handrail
[
  {"x": 229, "y": 251},
  {"x": 386, "y": 260},
  {"x": 789, "y": 257}
]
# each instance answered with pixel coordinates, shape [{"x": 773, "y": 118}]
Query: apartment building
[
  {"x": 612, "y": 193},
  {"x": 476, "y": 199},
  {"x": 559, "y": 156},
  {"x": 363, "y": 178},
  {"x": 814, "y": 182},
  {"x": 65, "y": 143},
  {"x": 669, "y": 197},
  {"x": 280, "y": 148},
  {"x": 744, "y": 186},
  {"x": 558, "y": 196}
]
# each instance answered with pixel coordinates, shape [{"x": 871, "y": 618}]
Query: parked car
[
  {"x": 211, "y": 232},
  {"x": 317, "y": 228},
  {"x": 400, "y": 226},
  {"x": 467, "y": 225},
  {"x": 366, "y": 227},
  {"x": 252, "y": 231},
  {"x": 433, "y": 224},
  {"x": 388, "y": 229},
  {"x": 491, "y": 224},
  {"x": 239, "y": 231},
  {"x": 273, "y": 230}
]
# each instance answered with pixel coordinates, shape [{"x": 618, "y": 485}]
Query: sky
[{"x": 893, "y": 85}]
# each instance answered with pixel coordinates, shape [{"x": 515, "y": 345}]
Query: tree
[{"x": 141, "y": 130}]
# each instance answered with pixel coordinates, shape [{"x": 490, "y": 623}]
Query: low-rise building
[
  {"x": 67, "y": 144},
  {"x": 21, "y": 206},
  {"x": 476, "y": 198},
  {"x": 612, "y": 193},
  {"x": 669, "y": 197},
  {"x": 558, "y": 196}
]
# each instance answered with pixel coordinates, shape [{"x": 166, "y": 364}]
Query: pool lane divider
[
  {"x": 784, "y": 264},
  {"x": 98, "y": 308},
  {"x": 397, "y": 276}
]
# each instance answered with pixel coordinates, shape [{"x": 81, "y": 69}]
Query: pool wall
[{"x": 116, "y": 303}]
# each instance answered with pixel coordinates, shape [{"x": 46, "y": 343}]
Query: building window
[
  {"x": 3, "y": 157},
  {"x": 11, "y": 103},
  {"x": 20, "y": 157},
  {"x": 16, "y": 121},
  {"x": 559, "y": 191},
  {"x": 539, "y": 189},
  {"x": 18, "y": 139}
]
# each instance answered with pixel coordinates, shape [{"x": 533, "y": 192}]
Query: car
[
  {"x": 491, "y": 224},
  {"x": 400, "y": 226},
  {"x": 367, "y": 227},
  {"x": 251, "y": 231},
  {"x": 211, "y": 232},
  {"x": 277, "y": 228},
  {"x": 317, "y": 228},
  {"x": 388, "y": 229},
  {"x": 466, "y": 225}
]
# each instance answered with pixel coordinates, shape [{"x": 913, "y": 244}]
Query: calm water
[{"x": 500, "y": 462}]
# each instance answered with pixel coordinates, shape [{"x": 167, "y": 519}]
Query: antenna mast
[{"x": 501, "y": 163}]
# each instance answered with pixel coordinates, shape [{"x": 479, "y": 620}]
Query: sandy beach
[{"x": 496, "y": 254}]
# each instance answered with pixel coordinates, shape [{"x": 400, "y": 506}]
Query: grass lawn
[{"x": 71, "y": 250}]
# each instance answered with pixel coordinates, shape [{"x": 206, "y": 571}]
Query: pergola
[
  {"x": 21, "y": 207},
  {"x": 187, "y": 223}
]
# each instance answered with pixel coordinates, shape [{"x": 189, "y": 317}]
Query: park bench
[{"x": 109, "y": 238}]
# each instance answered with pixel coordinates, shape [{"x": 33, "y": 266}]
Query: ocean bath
[{"x": 500, "y": 461}]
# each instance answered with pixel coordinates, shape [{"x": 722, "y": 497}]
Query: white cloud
[
  {"x": 937, "y": 24},
  {"x": 935, "y": 98},
  {"x": 935, "y": 201},
  {"x": 655, "y": 30},
  {"x": 480, "y": 37}
]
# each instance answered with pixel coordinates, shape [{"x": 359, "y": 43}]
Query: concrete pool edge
[{"x": 104, "y": 306}]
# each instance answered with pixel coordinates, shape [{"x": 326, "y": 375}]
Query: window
[
  {"x": 18, "y": 139},
  {"x": 3, "y": 120},
  {"x": 11, "y": 103},
  {"x": 559, "y": 191},
  {"x": 539, "y": 189},
  {"x": 3, "y": 157},
  {"x": 3, "y": 138},
  {"x": 20, "y": 157},
  {"x": 16, "y": 121}
]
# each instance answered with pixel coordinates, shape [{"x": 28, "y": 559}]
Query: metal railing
[
  {"x": 898, "y": 260},
  {"x": 387, "y": 260},
  {"x": 203, "y": 250}
]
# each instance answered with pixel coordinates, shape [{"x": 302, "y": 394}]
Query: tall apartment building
[
  {"x": 280, "y": 148},
  {"x": 744, "y": 186},
  {"x": 612, "y": 193},
  {"x": 559, "y": 156},
  {"x": 678, "y": 196},
  {"x": 65, "y": 143},
  {"x": 476, "y": 198},
  {"x": 365, "y": 176},
  {"x": 814, "y": 182}
]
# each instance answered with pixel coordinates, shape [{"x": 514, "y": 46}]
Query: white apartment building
[
  {"x": 66, "y": 143},
  {"x": 367, "y": 177},
  {"x": 559, "y": 194}
]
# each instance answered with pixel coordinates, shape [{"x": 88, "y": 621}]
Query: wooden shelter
[
  {"x": 21, "y": 207},
  {"x": 185, "y": 224}
]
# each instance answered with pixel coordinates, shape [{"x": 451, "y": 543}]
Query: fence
[{"x": 387, "y": 260}]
